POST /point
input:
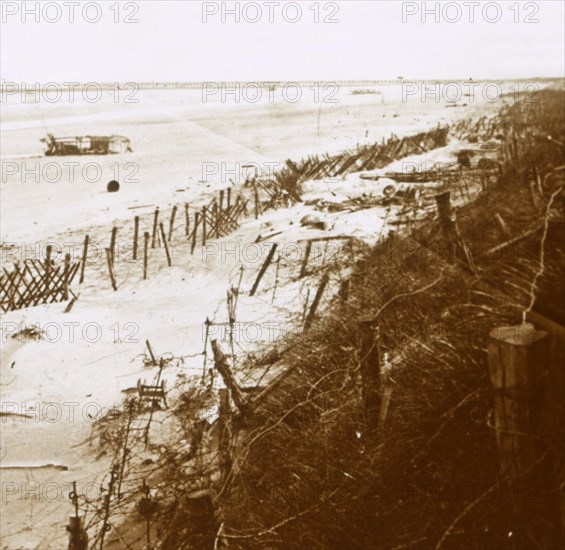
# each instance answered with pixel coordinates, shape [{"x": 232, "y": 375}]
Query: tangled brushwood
[{"x": 333, "y": 454}]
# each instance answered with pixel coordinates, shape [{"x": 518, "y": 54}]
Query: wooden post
[
  {"x": 84, "y": 257},
  {"x": 145, "y": 254},
  {"x": 221, "y": 363},
  {"x": 194, "y": 231},
  {"x": 221, "y": 207},
  {"x": 264, "y": 267},
  {"x": 47, "y": 272},
  {"x": 228, "y": 198},
  {"x": 172, "y": 222},
  {"x": 66, "y": 275},
  {"x": 135, "y": 236},
  {"x": 224, "y": 417},
  {"x": 276, "y": 278},
  {"x": 216, "y": 217},
  {"x": 317, "y": 298},
  {"x": 78, "y": 538},
  {"x": 450, "y": 230},
  {"x": 151, "y": 354},
  {"x": 111, "y": 268},
  {"x": 517, "y": 365},
  {"x": 155, "y": 223},
  {"x": 305, "y": 259},
  {"x": 186, "y": 221},
  {"x": 370, "y": 372},
  {"x": 113, "y": 244},
  {"x": 165, "y": 244},
  {"x": 443, "y": 201},
  {"x": 203, "y": 225},
  {"x": 256, "y": 196}
]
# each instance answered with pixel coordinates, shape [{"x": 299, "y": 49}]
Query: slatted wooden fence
[{"x": 35, "y": 282}]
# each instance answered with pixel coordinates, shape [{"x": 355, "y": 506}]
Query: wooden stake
[
  {"x": 221, "y": 363},
  {"x": 317, "y": 298},
  {"x": 165, "y": 244},
  {"x": 264, "y": 267},
  {"x": 229, "y": 198},
  {"x": 47, "y": 272},
  {"x": 155, "y": 224},
  {"x": 151, "y": 354},
  {"x": 276, "y": 279},
  {"x": 517, "y": 365},
  {"x": 145, "y": 254},
  {"x": 256, "y": 196},
  {"x": 135, "y": 236},
  {"x": 113, "y": 244},
  {"x": 186, "y": 221},
  {"x": 111, "y": 268},
  {"x": 216, "y": 218},
  {"x": 203, "y": 225},
  {"x": 194, "y": 231},
  {"x": 67, "y": 272},
  {"x": 172, "y": 222},
  {"x": 221, "y": 207},
  {"x": 224, "y": 417},
  {"x": 84, "y": 257},
  {"x": 305, "y": 259}
]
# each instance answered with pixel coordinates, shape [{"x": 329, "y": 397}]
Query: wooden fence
[{"x": 35, "y": 282}]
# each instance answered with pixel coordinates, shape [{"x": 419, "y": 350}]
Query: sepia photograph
[{"x": 282, "y": 275}]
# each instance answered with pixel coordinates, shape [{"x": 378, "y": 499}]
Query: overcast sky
[{"x": 369, "y": 40}]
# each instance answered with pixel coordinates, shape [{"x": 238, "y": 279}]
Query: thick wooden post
[
  {"x": 135, "y": 236},
  {"x": 317, "y": 298},
  {"x": 264, "y": 267},
  {"x": 165, "y": 244},
  {"x": 517, "y": 365},
  {"x": 450, "y": 230},
  {"x": 370, "y": 373},
  {"x": 443, "y": 201},
  {"x": 228, "y": 198},
  {"x": 84, "y": 257},
  {"x": 111, "y": 268},
  {"x": 78, "y": 538},
  {"x": 172, "y": 222},
  {"x": 145, "y": 253},
  {"x": 155, "y": 224},
  {"x": 221, "y": 363}
]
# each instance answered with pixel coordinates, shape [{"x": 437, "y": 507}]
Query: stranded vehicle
[{"x": 86, "y": 145}]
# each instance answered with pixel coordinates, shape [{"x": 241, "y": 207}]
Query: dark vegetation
[{"x": 305, "y": 471}]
